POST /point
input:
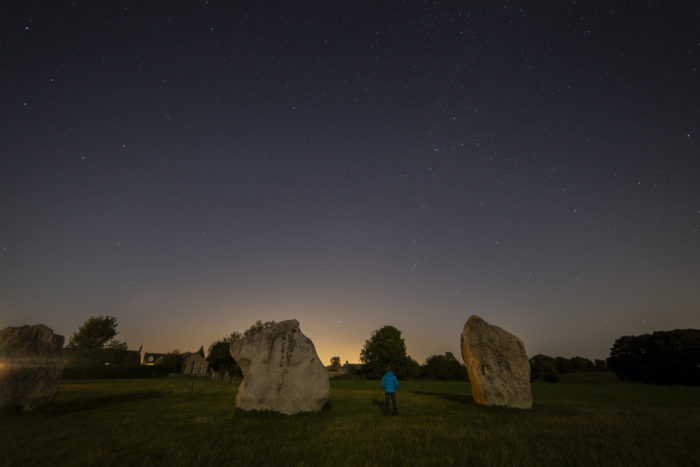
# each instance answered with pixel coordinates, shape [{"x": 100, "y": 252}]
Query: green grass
[{"x": 156, "y": 422}]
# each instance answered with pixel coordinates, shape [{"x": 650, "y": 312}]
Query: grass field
[{"x": 157, "y": 422}]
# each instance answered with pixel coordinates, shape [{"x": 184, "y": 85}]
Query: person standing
[{"x": 390, "y": 383}]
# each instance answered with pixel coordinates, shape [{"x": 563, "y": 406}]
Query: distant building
[{"x": 194, "y": 364}]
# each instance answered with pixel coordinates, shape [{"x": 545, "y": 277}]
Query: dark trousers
[{"x": 392, "y": 396}]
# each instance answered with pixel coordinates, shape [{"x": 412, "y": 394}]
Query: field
[{"x": 581, "y": 421}]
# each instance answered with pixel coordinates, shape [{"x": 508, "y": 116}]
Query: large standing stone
[
  {"x": 31, "y": 366},
  {"x": 281, "y": 371},
  {"x": 498, "y": 367}
]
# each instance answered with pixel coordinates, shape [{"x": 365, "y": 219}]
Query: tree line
[
  {"x": 663, "y": 357},
  {"x": 548, "y": 369}
]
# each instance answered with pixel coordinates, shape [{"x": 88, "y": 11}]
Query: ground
[{"x": 589, "y": 421}]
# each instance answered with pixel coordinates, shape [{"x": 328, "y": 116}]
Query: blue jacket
[{"x": 389, "y": 382}]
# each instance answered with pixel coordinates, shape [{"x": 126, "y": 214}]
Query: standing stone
[
  {"x": 281, "y": 371},
  {"x": 31, "y": 367},
  {"x": 498, "y": 367}
]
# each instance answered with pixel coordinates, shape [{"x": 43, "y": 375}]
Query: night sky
[{"x": 191, "y": 167}]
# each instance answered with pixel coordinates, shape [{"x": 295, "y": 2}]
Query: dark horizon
[{"x": 192, "y": 168}]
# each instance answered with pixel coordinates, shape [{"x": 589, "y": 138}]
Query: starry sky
[{"x": 191, "y": 167}]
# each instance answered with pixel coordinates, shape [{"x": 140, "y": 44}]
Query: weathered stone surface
[
  {"x": 281, "y": 370},
  {"x": 31, "y": 367},
  {"x": 498, "y": 367}
]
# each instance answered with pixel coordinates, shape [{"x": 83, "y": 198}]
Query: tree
[
  {"x": 581, "y": 364},
  {"x": 563, "y": 365},
  {"x": 663, "y": 357},
  {"x": 335, "y": 362},
  {"x": 543, "y": 367},
  {"x": 201, "y": 350},
  {"x": 384, "y": 349},
  {"x": 219, "y": 355},
  {"x": 413, "y": 368},
  {"x": 444, "y": 367},
  {"x": 94, "y": 333},
  {"x": 94, "y": 342},
  {"x": 601, "y": 365},
  {"x": 172, "y": 360},
  {"x": 115, "y": 351}
]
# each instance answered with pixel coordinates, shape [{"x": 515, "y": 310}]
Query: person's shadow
[
  {"x": 380, "y": 405},
  {"x": 90, "y": 403},
  {"x": 462, "y": 399}
]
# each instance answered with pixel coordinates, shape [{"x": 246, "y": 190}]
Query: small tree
[
  {"x": 94, "y": 333},
  {"x": 581, "y": 364},
  {"x": 413, "y": 368},
  {"x": 172, "y": 361},
  {"x": 115, "y": 351},
  {"x": 543, "y": 367},
  {"x": 601, "y": 365},
  {"x": 94, "y": 342},
  {"x": 335, "y": 362},
  {"x": 219, "y": 355},
  {"x": 385, "y": 348},
  {"x": 201, "y": 350},
  {"x": 444, "y": 367},
  {"x": 563, "y": 365}
]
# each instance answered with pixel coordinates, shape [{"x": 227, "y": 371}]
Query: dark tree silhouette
[
  {"x": 444, "y": 367},
  {"x": 94, "y": 343},
  {"x": 581, "y": 364},
  {"x": 543, "y": 367},
  {"x": 663, "y": 357},
  {"x": 94, "y": 333},
  {"x": 385, "y": 348},
  {"x": 219, "y": 355}
]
